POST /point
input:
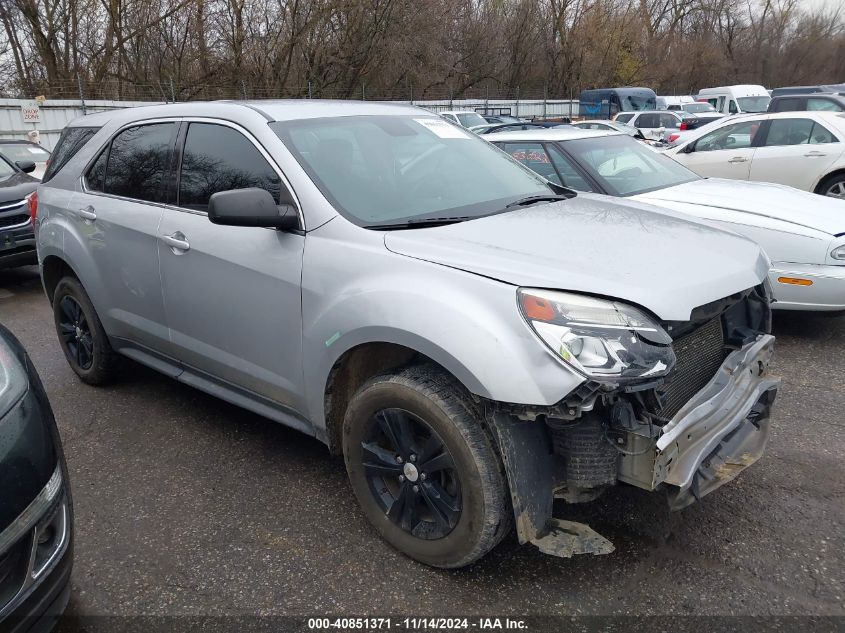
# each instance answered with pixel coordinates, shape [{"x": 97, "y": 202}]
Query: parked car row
[
  {"x": 468, "y": 334},
  {"x": 805, "y": 150},
  {"x": 803, "y": 235}
]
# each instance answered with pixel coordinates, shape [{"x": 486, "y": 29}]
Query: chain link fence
[{"x": 170, "y": 90}]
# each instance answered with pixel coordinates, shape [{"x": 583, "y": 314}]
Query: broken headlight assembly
[{"x": 601, "y": 339}]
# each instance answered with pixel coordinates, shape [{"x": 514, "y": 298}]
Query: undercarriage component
[
  {"x": 527, "y": 455},
  {"x": 589, "y": 460}
]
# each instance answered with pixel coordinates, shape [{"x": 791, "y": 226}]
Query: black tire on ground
[
  {"x": 99, "y": 361},
  {"x": 833, "y": 186},
  {"x": 439, "y": 410}
]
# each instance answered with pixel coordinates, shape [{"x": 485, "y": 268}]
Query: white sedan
[
  {"x": 803, "y": 234},
  {"x": 805, "y": 150}
]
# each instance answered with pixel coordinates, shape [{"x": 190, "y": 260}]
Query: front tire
[
  {"x": 81, "y": 335},
  {"x": 424, "y": 469}
]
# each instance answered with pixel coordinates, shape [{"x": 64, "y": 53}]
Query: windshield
[
  {"x": 6, "y": 170},
  {"x": 626, "y": 167},
  {"x": 695, "y": 108},
  {"x": 470, "y": 119},
  {"x": 22, "y": 151},
  {"x": 753, "y": 104},
  {"x": 391, "y": 169},
  {"x": 633, "y": 101}
]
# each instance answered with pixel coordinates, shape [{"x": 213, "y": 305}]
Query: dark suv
[
  {"x": 17, "y": 241},
  {"x": 830, "y": 102}
]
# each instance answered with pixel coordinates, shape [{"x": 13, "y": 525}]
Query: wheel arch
[
  {"x": 361, "y": 361},
  {"x": 828, "y": 176},
  {"x": 53, "y": 269}
]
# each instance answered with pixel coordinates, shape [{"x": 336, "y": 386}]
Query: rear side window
[
  {"x": 218, "y": 158},
  {"x": 797, "y": 132},
  {"x": 624, "y": 117},
  {"x": 96, "y": 175},
  {"x": 787, "y": 105},
  {"x": 70, "y": 142},
  {"x": 139, "y": 161}
]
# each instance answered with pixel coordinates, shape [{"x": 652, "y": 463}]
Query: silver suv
[{"x": 474, "y": 340}]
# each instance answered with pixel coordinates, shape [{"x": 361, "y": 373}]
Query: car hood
[
  {"x": 759, "y": 198},
  {"x": 664, "y": 261},
  {"x": 16, "y": 186}
]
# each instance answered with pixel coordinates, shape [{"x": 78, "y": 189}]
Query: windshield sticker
[{"x": 442, "y": 128}]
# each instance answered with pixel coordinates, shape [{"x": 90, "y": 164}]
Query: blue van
[{"x": 604, "y": 103}]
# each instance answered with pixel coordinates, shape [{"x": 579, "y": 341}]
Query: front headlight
[
  {"x": 599, "y": 338},
  {"x": 838, "y": 253}
]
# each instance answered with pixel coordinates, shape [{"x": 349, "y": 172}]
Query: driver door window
[
  {"x": 734, "y": 136},
  {"x": 732, "y": 107},
  {"x": 219, "y": 158}
]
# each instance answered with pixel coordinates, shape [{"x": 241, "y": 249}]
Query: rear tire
[
  {"x": 453, "y": 504},
  {"x": 81, "y": 335},
  {"x": 833, "y": 187}
]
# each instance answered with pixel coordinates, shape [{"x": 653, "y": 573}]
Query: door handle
[
  {"x": 176, "y": 241},
  {"x": 738, "y": 159},
  {"x": 87, "y": 213},
  {"x": 813, "y": 154}
]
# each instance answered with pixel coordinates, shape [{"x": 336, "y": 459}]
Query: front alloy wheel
[{"x": 411, "y": 474}]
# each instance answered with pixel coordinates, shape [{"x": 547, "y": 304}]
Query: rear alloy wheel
[
  {"x": 834, "y": 187},
  {"x": 81, "y": 334},
  {"x": 424, "y": 469}
]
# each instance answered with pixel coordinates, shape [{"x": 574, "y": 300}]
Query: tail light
[
  {"x": 684, "y": 126},
  {"x": 32, "y": 201},
  {"x": 672, "y": 138}
]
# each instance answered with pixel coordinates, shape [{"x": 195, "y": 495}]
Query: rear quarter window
[{"x": 70, "y": 142}]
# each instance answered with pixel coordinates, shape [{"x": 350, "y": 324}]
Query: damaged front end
[{"x": 686, "y": 433}]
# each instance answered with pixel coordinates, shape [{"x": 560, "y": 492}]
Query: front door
[
  {"x": 723, "y": 153},
  {"x": 232, "y": 294}
]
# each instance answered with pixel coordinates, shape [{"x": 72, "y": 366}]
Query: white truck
[{"x": 736, "y": 99}]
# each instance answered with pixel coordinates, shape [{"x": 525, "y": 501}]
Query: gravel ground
[{"x": 188, "y": 505}]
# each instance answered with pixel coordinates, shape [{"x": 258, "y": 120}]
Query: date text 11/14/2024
[{"x": 416, "y": 624}]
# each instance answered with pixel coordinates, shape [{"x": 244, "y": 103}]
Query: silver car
[{"x": 474, "y": 340}]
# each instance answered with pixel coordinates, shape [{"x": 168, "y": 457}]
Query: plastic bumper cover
[{"x": 722, "y": 430}]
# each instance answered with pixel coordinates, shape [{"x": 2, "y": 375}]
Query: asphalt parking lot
[{"x": 187, "y": 505}]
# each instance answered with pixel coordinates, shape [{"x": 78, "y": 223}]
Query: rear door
[
  {"x": 232, "y": 294},
  {"x": 796, "y": 152},
  {"x": 726, "y": 152},
  {"x": 115, "y": 218}
]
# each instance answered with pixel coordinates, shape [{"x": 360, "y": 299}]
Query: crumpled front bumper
[{"x": 722, "y": 430}]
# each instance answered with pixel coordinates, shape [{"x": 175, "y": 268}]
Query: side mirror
[
  {"x": 26, "y": 166},
  {"x": 252, "y": 207},
  {"x": 689, "y": 149}
]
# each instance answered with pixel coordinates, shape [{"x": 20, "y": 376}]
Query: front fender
[{"x": 358, "y": 292}]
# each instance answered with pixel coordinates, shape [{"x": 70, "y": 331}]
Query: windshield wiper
[
  {"x": 524, "y": 202},
  {"x": 421, "y": 223}
]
